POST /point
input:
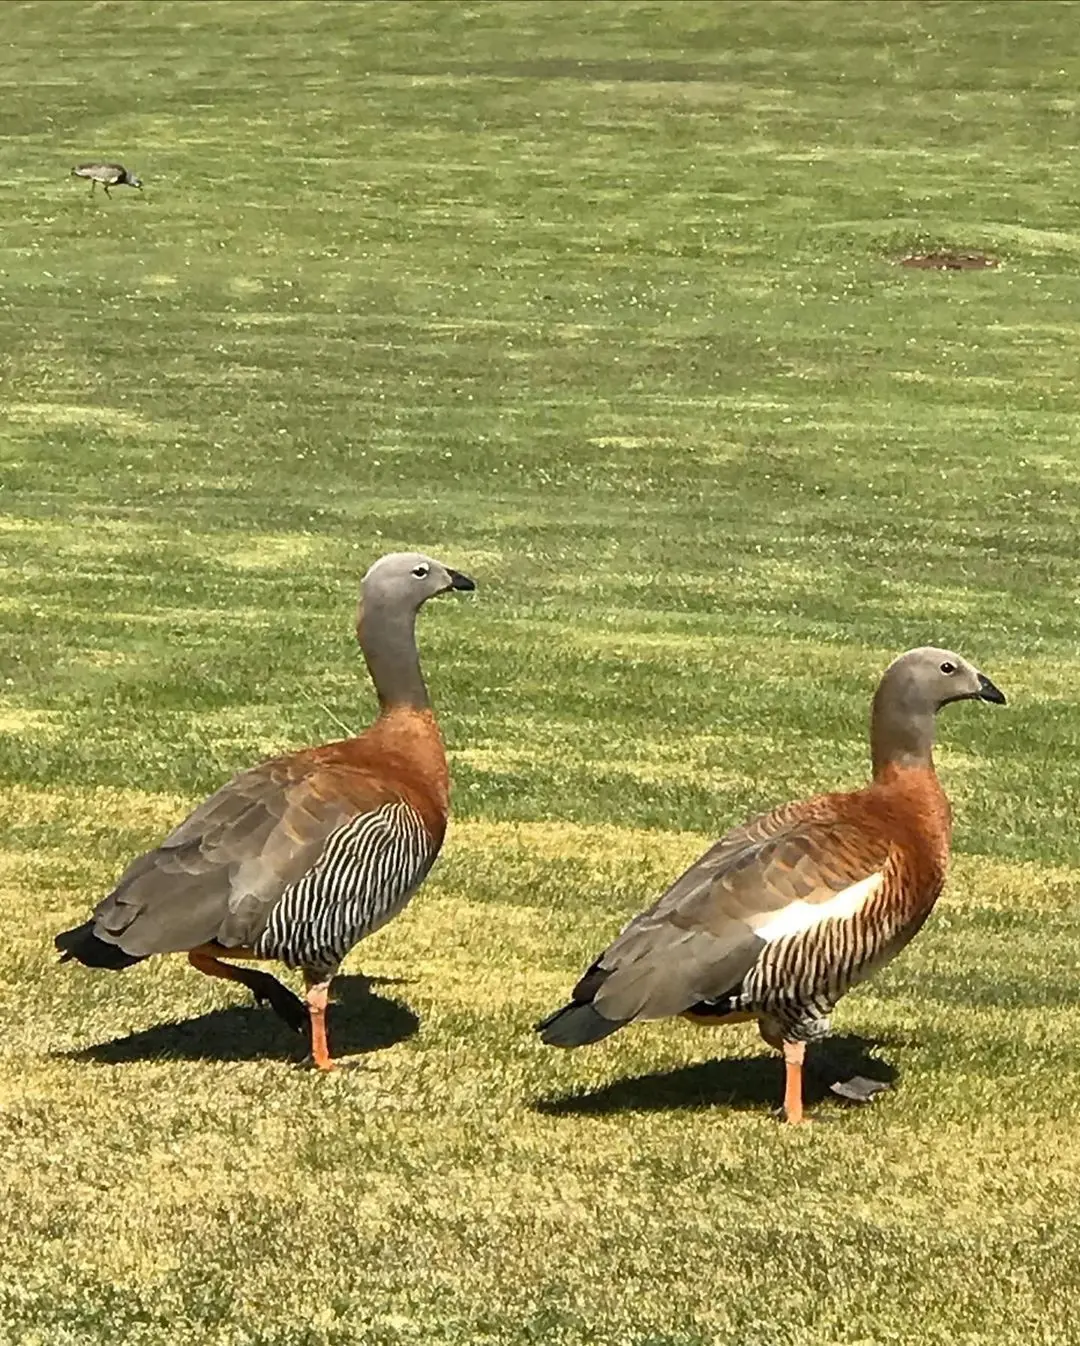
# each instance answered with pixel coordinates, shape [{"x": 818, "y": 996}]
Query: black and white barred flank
[
  {"x": 367, "y": 872},
  {"x": 797, "y": 980}
]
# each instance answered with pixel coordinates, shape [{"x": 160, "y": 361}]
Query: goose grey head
[
  {"x": 928, "y": 678},
  {"x": 911, "y": 692},
  {"x": 407, "y": 579},
  {"x": 133, "y": 181}
]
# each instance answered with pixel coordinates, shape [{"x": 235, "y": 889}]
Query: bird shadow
[
  {"x": 745, "y": 1082},
  {"x": 359, "y": 1021}
]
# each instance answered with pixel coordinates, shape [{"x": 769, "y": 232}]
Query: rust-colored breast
[
  {"x": 400, "y": 757},
  {"x": 910, "y": 806},
  {"x": 899, "y": 825}
]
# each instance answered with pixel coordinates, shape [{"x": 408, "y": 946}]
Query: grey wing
[
  {"x": 217, "y": 875},
  {"x": 774, "y": 876}
]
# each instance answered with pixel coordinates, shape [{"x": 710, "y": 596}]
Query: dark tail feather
[
  {"x": 83, "y": 945},
  {"x": 574, "y": 1025}
]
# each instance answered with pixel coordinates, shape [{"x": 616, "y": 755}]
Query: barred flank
[
  {"x": 798, "y": 980},
  {"x": 367, "y": 871}
]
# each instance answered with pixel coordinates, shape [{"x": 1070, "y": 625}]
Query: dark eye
[
  {"x": 421, "y": 571},
  {"x": 945, "y": 668}
]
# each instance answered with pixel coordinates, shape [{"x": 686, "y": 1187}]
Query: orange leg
[
  {"x": 213, "y": 967},
  {"x": 263, "y": 987},
  {"x": 794, "y": 1055},
  {"x": 318, "y": 992}
]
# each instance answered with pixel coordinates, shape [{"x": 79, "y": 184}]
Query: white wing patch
[{"x": 801, "y": 916}]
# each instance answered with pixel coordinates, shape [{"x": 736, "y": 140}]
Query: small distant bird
[
  {"x": 301, "y": 857},
  {"x": 109, "y": 175},
  {"x": 792, "y": 909}
]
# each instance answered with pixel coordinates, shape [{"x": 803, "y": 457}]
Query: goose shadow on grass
[
  {"x": 359, "y": 1021},
  {"x": 744, "y": 1082}
]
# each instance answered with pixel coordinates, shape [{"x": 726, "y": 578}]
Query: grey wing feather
[
  {"x": 217, "y": 875},
  {"x": 685, "y": 948},
  {"x": 699, "y": 940}
]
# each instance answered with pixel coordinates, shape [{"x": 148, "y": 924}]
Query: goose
[
  {"x": 299, "y": 858},
  {"x": 788, "y": 911}
]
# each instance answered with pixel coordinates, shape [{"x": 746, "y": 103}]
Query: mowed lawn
[{"x": 597, "y": 302}]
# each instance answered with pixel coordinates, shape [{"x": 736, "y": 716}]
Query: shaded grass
[{"x": 594, "y": 301}]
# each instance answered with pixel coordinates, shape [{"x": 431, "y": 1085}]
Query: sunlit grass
[{"x": 597, "y": 302}]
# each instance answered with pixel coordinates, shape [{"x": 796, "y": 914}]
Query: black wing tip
[
  {"x": 82, "y": 944},
  {"x": 549, "y": 1019},
  {"x": 576, "y": 1025}
]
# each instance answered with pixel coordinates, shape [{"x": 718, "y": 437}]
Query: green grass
[{"x": 595, "y": 301}]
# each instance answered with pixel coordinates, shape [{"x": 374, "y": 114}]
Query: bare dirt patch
[{"x": 950, "y": 260}]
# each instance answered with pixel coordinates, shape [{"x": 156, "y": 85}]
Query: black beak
[
  {"x": 466, "y": 585},
  {"x": 988, "y": 692}
]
